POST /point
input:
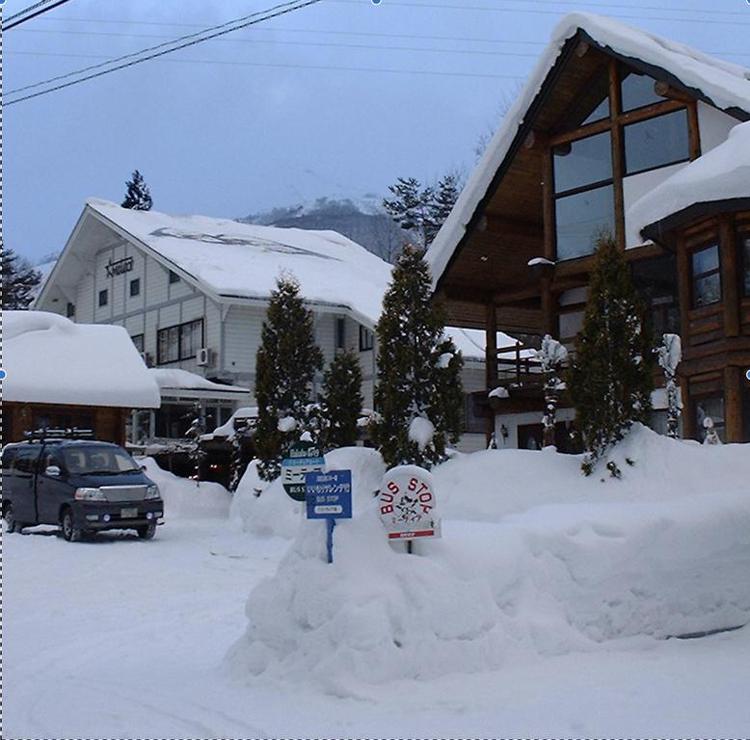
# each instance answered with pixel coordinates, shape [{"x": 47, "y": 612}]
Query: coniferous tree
[
  {"x": 611, "y": 377},
  {"x": 410, "y": 208},
  {"x": 138, "y": 195},
  {"x": 341, "y": 402},
  {"x": 551, "y": 357},
  {"x": 19, "y": 282},
  {"x": 445, "y": 197},
  {"x": 418, "y": 396},
  {"x": 287, "y": 361}
]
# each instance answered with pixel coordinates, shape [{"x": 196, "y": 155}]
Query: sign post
[
  {"x": 407, "y": 504},
  {"x": 304, "y": 458},
  {"x": 329, "y": 497}
]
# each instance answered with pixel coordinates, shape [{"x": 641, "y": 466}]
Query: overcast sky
[{"x": 297, "y": 108}]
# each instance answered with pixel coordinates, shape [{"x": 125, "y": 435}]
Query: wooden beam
[
  {"x": 729, "y": 277},
  {"x": 549, "y": 305},
  {"x": 665, "y": 90},
  {"x": 548, "y": 205},
  {"x": 733, "y": 404},
  {"x": 618, "y": 165},
  {"x": 507, "y": 298},
  {"x": 503, "y": 226}
]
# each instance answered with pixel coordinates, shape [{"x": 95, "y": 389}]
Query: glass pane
[
  {"x": 581, "y": 219},
  {"x": 590, "y": 104},
  {"x": 583, "y": 162},
  {"x": 706, "y": 290},
  {"x": 706, "y": 260},
  {"x": 746, "y": 263},
  {"x": 656, "y": 142},
  {"x": 601, "y": 111},
  {"x": 138, "y": 342},
  {"x": 713, "y": 408},
  {"x": 637, "y": 91}
]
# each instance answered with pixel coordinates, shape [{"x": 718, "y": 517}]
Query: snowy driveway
[{"x": 119, "y": 638}]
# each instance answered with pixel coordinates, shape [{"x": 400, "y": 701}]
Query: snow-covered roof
[
  {"x": 174, "y": 378},
  {"x": 239, "y": 260},
  {"x": 725, "y": 85},
  {"x": 719, "y": 175},
  {"x": 49, "y": 359}
]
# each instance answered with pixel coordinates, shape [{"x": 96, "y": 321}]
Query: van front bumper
[{"x": 126, "y": 515}]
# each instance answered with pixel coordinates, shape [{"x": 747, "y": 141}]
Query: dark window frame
[
  {"x": 134, "y": 283},
  {"x": 178, "y": 327},
  {"x": 340, "y": 338},
  {"x": 173, "y": 277},
  {"x": 366, "y": 339},
  {"x": 142, "y": 343},
  {"x": 708, "y": 396},
  {"x": 713, "y": 243},
  {"x": 70, "y": 310},
  {"x": 743, "y": 246},
  {"x": 103, "y": 298}
]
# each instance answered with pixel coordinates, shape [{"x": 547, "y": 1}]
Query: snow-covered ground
[{"x": 118, "y": 638}]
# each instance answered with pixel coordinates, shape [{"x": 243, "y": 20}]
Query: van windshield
[{"x": 98, "y": 461}]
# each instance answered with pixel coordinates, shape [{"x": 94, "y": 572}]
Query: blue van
[{"x": 81, "y": 485}]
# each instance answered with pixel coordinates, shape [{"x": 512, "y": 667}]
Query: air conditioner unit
[
  {"x": 204, "y": 357},
  {"x": 147, "y": 359}
]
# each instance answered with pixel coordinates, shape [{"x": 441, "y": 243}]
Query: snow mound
[
  {"x": 577, "y": 565},
  {"x": 263, "y": 509},
  {"x": 187, "y": 498}
]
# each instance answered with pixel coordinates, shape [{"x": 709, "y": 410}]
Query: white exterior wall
[{"x": 714, "y": 126}]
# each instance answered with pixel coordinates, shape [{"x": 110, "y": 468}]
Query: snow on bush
[
  {"x": 184, "y": 497},
  {"x": 421, "y": 431},
  {"x": 534, "y": 560}
]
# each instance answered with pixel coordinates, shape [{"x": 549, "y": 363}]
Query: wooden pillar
[
  {"x": 549, "y": 313},
  {"x": 548, "y": 205},
  {"x": 615, "y": 106},
  {"x": 689, "y": 430},
  {"x": 684, "y": 292},
  {"x": 733, "y": 403},
  {"x": 729, "y": 277},
  {"x": 491, "y": 346},
  {"x": 694, "y": 136}
]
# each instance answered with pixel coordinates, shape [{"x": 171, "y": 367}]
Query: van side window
[
  {"x": 26, "y": 460},
  {"x": 50, "y": 458},
  {"x": 9, "y": 457}
]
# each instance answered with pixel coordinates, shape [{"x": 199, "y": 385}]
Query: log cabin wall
[{"x": 107, "y": 423}]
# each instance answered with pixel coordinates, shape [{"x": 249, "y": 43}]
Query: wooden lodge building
[{"x": 618, "y": 131}]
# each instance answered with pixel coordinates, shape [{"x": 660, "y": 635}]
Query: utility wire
[
  {"x": 27, "y": 10},
  {"x": 284, "y": 42},
  {"x": 190, "y": 40},
  {"x": 10, "y": 23}
]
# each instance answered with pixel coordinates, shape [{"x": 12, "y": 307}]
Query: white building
[{"x": 192, "y": 292}]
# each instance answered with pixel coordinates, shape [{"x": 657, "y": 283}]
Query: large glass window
[
  {"x": 590, "y": 105},
  {"x": 103, "y": 297},
  {"x": 745, "y": 261},
  {"x": 657, "y": 142},
  {"x": 584, "y": 196},
  {"x": 581, "y": 219},
  {"x": 656, "y": 281},
  {"x": 179, "y": 342},
  {"x": 583, "y": 162},
  {"x": 638, "y": 91},
  {"x": 706, "y": 276}
]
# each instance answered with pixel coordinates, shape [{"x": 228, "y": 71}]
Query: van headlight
[
  {"x": 153, "y": 492},
  {"x": 89, "y": 494}
]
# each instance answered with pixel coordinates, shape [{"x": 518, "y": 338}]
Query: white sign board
[{"x": 407, "y": 503}]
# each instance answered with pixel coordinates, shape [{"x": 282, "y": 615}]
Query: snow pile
[
  {"x": 535, "y": 559},
  {"x": 721, "y": 174},
  {"x": 263, "y": 509},
  {"x": 184, "y": 497},
  {"x": 49, "y": 359},
  {"x": 227, "y": 430},
  {"x": 421, "y": 431}
]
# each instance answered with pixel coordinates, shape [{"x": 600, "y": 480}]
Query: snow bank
[
  {"x": 187, "y": 498},
  {"x": 264, "y": 509},
  {"x": 534, "y": 559},
  {"x": 49, "y": 359}
]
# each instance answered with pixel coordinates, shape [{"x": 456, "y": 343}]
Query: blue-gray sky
[{"x": 294, "y": 109}]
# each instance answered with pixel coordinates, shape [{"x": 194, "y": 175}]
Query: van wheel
[
  {"x": 11, "y": 525},
  {"x": 69, "y": 531},
  {"x": 147, "y": 532}
]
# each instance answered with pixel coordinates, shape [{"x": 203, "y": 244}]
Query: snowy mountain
[{"x": 362, "y": 220}]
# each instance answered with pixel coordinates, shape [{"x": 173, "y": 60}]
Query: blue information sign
[{"x": 329, "y": 495}]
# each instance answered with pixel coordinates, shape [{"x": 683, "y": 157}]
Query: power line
[
  {"x": 43, "y": 7},
  {"x": 284, "y": 42},
  {"x": 437, "y": 73},
  {"x": 189, "y": 40},
  {"x": 445, "y": 6}
]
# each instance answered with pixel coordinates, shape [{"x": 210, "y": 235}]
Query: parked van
[{"x": 81, "y": 485}]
